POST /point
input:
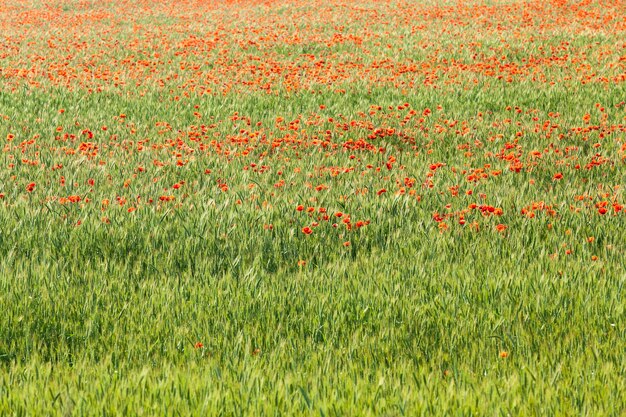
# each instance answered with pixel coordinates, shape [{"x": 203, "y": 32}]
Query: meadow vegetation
[{"x": 312, "y": 207}]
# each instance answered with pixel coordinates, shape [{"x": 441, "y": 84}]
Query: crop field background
[{"x": 325, "y": 208}]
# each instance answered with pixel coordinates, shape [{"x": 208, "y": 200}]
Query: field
[{"x": 329, "y": 208}]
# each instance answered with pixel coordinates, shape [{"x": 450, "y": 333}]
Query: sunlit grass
[{"x": 372, "y": 208}]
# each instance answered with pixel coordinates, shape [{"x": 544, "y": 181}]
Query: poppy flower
[
  {"x": 30, "y": 187},
  {"x": 307, "y": 230}
]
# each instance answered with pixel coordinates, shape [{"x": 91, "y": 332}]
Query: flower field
[{"x": 329, "y": 208}]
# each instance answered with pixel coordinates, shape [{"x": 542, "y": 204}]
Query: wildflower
[
  {"x": 30, "y": 187},
  {"x": 307, "y": 230}
]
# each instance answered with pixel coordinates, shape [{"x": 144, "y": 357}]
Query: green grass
[{"x": 102, "y": 309}]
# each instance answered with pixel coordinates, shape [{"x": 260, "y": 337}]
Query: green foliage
[{"x": 180, "y": 281}]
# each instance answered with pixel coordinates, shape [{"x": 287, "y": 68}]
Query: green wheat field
[{"x": 312, "y": 208}]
